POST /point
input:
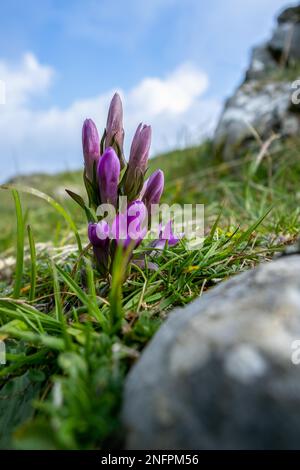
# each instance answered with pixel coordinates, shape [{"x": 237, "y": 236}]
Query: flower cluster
[{"x": 108, "y": 178}]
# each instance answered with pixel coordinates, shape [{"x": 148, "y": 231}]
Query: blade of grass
[
  {"x": 51, "y": 342},
  {"x": 246, "y": 235},
  {"x": 214, "y": 228},
  {"x": 20, "y": 245},
  {"x": 16, "y": 310},
  {"x": 115, "y": 295},
  {"x": 33, "y": 263},
  {"x": 58, "y": 305},
  {"x": 59, "y": 308}
]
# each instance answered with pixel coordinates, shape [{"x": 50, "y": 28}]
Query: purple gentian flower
[
  {"x": 99, "y": 237},
  {"x": 91, "y": 147},
  {"x": 139, "y": 151},
  {"x": 130, "y": 228},
  {"x": 152, "y": 189},
  {"x": 114, "y": 125},
  {"x": 108, "y": 177},
  {"x": 138, "y": 160},
  {"x": 166, "y": 235}
]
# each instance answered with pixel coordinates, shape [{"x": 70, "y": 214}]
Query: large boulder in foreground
[
  {"x": 262, "y": 104},
  {"x": 219, "y": 373}
]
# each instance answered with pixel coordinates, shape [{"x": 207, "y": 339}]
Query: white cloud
[
  {"x": 174, "y": 95},
  {"x": 25, "y": 80},
  {"x": 50, "y": 140}
]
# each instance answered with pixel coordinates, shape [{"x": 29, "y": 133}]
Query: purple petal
[
  {"x": 142, "y": 264},
  {"x": 139, "y": 151},
  {"x": 153, "y": 189},
  {"x": 91, "y": 146},
  {"x": 99, "y": 237},
  {"x": 166, "y": 235},
  {"x": 108, "y": 177},
  {"x": 98, "y": 233},
  {"x": 114, "y": 125},
  {"x": 131, "y": 227}
]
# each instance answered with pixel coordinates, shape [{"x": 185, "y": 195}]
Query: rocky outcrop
[
  {"x": 263, "y": 102},
  {"x": 223, "y": 372},
  {"x": 286, "y": 37}
]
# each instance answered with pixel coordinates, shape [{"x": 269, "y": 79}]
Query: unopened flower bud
[
  {"x": 114, "y": 126},
  {"x": 108, "y": 177},
  {"x": 91, "y": 147}
]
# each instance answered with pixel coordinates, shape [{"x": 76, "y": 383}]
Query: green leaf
[
  {"x": 78, "y": 199},
  {"x": 91, "y": 192}
]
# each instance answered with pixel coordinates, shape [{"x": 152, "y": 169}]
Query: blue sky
[{"x": 173, "y": 61}]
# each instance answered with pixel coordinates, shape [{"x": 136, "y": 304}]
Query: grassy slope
[{"x": 85, "y": 348}]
